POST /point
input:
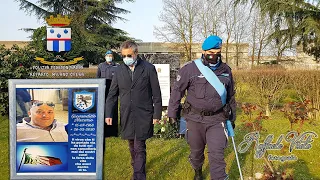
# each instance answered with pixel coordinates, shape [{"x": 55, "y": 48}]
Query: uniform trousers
[{"x": 215, "y": 136}]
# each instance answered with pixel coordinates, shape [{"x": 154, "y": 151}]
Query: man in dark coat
[
  {"x": 136, "y": 82},
  {"x": 204, "y": 109},
  {"x": 106, "y": 70}
]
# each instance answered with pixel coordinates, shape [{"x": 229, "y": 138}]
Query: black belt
[{"x": 204, "y": 112}]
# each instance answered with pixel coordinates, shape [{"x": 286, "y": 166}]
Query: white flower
[
  {"x": 258, "y": 175},
  {"x": 163, "y": 129},
  {"x": 162, "y": 122}
]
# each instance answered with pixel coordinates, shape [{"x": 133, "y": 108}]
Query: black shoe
[{"x": 198, "y": 174}]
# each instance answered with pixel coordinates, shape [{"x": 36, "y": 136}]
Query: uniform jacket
[
  {"x": 140, "y": 99},
  {"x": 106, "y": 70},
  {"x": 30, "y": 133},
  {"x": 201, "y": 94}
]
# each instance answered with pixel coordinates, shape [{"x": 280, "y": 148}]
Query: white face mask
[
  {"x": 108, "y": 59},
  {"x": 129, "y": 61}
]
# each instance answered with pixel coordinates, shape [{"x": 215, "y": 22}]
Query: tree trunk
[
  {"x": 237, "y": 55},
  {"x": 268, "y": 112},
  {"x": 227, "y": 48},
  {"x": 253, "y": 43},
  {"x": 259, "y": 51}
]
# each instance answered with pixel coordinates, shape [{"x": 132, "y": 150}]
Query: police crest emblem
[
  {"x": 83, "y": 100},
  {"x": 58, "y": 36},
  {"x": 58, "y": 42}
]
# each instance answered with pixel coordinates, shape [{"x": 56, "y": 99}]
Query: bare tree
[
  {"x": 254, "y": 36},
  {"x": 227, "y": 24},
  {"x": 180, "y": 19},
  {"x": 261, "y": 29},
  {"x": 240, "y": 32},
  {"x": 210, "y": 18},
  {"x": 185, "y": 22},
  {"x": 264, "y": 30}
]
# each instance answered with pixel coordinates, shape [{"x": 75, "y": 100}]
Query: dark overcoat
[{"x": 140, "y": 99}]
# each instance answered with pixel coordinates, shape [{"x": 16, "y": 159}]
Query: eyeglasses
[
  {"x": 41, "y": 112},
  {"x": 39, "y": 103},
  {"x": 129, "y": 56}
]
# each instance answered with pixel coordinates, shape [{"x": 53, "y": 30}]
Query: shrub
[
  {"x": 165, "y": 129},
  {"x": 15, "y": 63}
]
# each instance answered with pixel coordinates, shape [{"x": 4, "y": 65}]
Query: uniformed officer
[
  {"x": 204, "y": 109},
  {"x": 106, "y": 70}
]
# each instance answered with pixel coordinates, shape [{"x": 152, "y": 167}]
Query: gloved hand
[{"x": 233, "y": 124}]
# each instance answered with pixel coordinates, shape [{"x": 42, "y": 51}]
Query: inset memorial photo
[{"x": 42, "y": 115}]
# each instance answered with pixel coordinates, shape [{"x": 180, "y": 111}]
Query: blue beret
[
  {"x": 212, "y": 42},
  {"x": 108, "y": 52}
]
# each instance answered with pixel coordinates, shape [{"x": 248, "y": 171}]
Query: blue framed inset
[{"x": 55, "y": 127}]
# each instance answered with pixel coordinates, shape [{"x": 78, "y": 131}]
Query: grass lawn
[
  {"x": 4, "y": 150},
  {"x": 168, "y": 159}
]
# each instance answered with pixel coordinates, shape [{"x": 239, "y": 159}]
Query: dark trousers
[
  {"x": 214, "y": 135},
  {"x": 138, "y": 158}
]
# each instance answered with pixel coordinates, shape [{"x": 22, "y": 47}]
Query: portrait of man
[{"x": 41, "y": 125}]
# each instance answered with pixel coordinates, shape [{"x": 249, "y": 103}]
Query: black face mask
[{"x": 212, "y": 58}]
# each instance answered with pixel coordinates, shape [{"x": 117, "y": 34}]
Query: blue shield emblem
[
  {"x": 83, "y": 100},
  {"x": 58, "y": 39}
]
